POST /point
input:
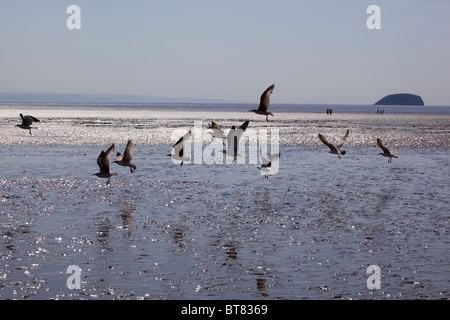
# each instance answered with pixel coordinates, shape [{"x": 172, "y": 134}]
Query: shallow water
[{"x": 223, "y": 231}]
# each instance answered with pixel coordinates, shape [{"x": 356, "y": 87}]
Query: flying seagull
[
  {"x": 26, "y": 122},
  {"x": 264, "y": 103},
  {"x": 233, "y": 137},
  {"x": 179, "y": 149},
  {"x": 386, "y": 153},
  {"x": 217, "y": 132},
  {"x": 125, "y": 159},
  {"x": 266, "y": 163},
  {"x": 103, "y": 163},
  {"x": 335, "y": 149}
]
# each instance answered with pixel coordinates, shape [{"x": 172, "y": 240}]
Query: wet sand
[{"x": 221, "y": 231}]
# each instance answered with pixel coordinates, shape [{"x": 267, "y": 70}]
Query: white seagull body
[
  {"x": 386, "y": 153},
  {"x": 179, "y": 149},
  {"x": 26, "y": 122},
  {"x": 266, "y": 163},
  {"x": 335, "y": 149},
  {"x": 103, "y": 163},
  {"x": 233, "y": 137},
  {"x": 125, "y": 159},
  {"x": 264, "y": 103}
]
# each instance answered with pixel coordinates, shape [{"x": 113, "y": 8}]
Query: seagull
[
  {"x": 125, "y": 159},
  {"x": 217, "y": 132},
  {"x": 103, "y": 163},
  {"x": 26, "y": 122},
  {"x": 266, "y": 163},
  {"x": 264, "y": 103},
  {"x": 179, "y": 149},
  {"x": 386, "y": 152},
  {"x": 335, "y": 149},
  {"x": 233, "y": 137}
]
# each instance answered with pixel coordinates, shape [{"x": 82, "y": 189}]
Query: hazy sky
[{"x": 314, "y": 51}]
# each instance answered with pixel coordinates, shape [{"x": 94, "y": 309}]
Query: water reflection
[
  {"x": 103, "y": 231},
  {"x": 230, "y": 250},
  {"x": 261, "y": 287},
  {"x": 104, "y": 227},
  {"x": 126, "y": 213},
  {"x": 178, "y": 234},
  {"x": 229, "y": 247},
  {"x": 263, "y": 202},
  {"x": 10, "y": 234},
  {"x": 384, "y": 200}
]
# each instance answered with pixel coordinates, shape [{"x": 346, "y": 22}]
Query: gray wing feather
[
  {"x": 265, "y": 98},
  {"x": 103, "y": 159},
  {"x": 325, "y": 141},
  {"x": 128, "y": 154}
]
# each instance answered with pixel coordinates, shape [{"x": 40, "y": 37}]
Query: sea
[{"x": 317, "y": 227}]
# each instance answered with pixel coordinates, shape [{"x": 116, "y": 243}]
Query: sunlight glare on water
[{"x": 223, "y": 231}]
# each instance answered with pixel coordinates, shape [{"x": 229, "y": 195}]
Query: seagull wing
[
  {"x": 237, "y": 135},
  {"x": 244, "y": 125},
  {"x": 180, "y": 141},
  {"x": 242, "y": 129},
  {"x": 128, "y": 154},
  {"x": 233, "y": 137},
  {"x": 268, "y": 160},
  {"x": 343, "y": 139},
  {"x": 25, "y": 121},
  {"x": 214, "y": 125},
  {"x": 325, "y": 141},
  {"x": 264, "y": 160},
  {"x": 103, "y": 159},
  {"x": 380, "y": 144},
  {"x": 230, "y": 136},
  {"x": 217, "y": 132},
  {"x": 183, "y": 139},
  {"x": 275, "y": 156},
  {"x": 265, "y": 98},
  {"x": 29, "y": 119}
]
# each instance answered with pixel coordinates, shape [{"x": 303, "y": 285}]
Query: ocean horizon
[{"x": 232, "y": 106}]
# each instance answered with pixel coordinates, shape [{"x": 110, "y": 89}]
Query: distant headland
[{"x": 401, "y": 99}]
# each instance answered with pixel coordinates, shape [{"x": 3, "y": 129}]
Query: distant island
[{"x": 401, "y": 99}]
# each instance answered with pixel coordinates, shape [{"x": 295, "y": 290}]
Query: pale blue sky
[{"x": 314, "y": 51}]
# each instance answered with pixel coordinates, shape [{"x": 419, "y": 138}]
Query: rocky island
[{"x": 402, "y": 99}]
